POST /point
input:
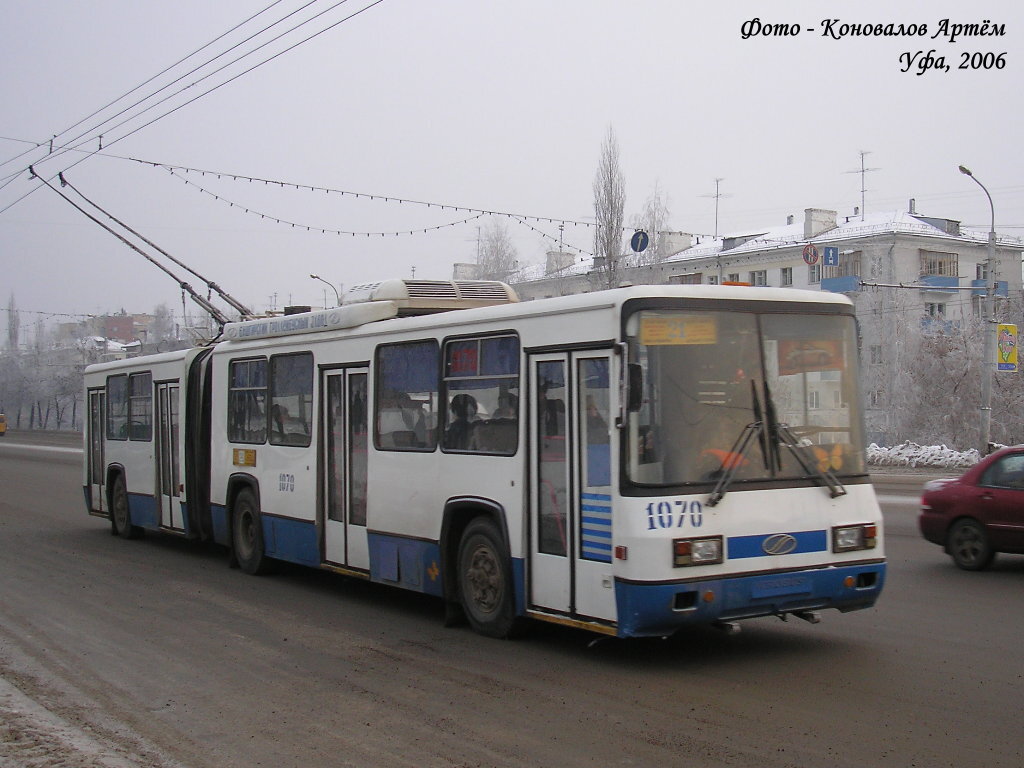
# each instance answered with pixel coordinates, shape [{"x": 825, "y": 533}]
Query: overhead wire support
[
  {"x": 215, "y": 313},
  {"x": 244, "y": 311}
]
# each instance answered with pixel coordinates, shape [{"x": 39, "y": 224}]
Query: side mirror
[{"x": 635, "y": 384}]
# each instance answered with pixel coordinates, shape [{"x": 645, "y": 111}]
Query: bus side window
[
  {"x": 247, "y": 396},
  {"x": 406, "y": 396},
  {"x": 481, "y": 381}
]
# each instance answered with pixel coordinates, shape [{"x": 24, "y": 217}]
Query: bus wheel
[
  {"x": 968, "y": 545},
  {"x": 247, "y": 534},
  {"x": 120, "y": 519},
  {"x": 485, "y": 580}
]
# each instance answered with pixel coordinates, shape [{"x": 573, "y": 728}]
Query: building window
[
  {"x": 936, "y": 263},
  {"x": 981, "y": 271},
  {"x": 407, "y": 389},
  {"x": 813, "y": 399},
  {"x": 695, "y": 279},
  {"x": 849, "y": 264},
  {"x": 712, "y": 279},
  {"x": 814, "y": 274},
  {"x": 734, "y": 277},
  {"x": 875, "y": 352},
  {"x": 935, "y": 309},
  {"x": 758, "y": 277},
  {"x": 786, "y": 276},
  {"x": 875, "y": 398}
]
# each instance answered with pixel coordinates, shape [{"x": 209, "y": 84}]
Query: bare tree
[
  {"x": 609, "y": 205},
  {"x": 498, "y": 258}
]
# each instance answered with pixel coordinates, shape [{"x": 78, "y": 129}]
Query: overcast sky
[{"x": 495, "y": 106}]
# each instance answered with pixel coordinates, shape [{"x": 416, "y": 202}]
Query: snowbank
[{"x": 913, "y": 455}]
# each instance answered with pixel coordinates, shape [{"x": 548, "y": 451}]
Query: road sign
[
  {"x": 639, "y": 241},
  {"x": 810, "y": 254},
  {"x": 830, "y": 257},
  {"x": 1006, "y": 347}
]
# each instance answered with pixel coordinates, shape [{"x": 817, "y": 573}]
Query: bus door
[
  {"x": 168, "y": 471},
  {"x": 571, "y": 407},
  {"x": 97, "y": 467},
  {"x": 345, "y": 474}
]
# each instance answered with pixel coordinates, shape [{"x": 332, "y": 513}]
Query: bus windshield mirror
[{"x": 635, "y": 384}]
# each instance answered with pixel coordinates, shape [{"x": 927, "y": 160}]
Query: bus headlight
[
  {"x": 848, "y": 538},
  {"x": 703, "y": 551}
]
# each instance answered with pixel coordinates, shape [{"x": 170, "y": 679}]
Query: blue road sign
[
  {"x": 831, "y": 257},
  {"x": 639, "y": 241}
]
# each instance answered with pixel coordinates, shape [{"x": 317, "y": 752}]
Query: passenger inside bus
[{"x": 458, "y": 434}]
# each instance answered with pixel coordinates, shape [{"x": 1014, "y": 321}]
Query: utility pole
[{"x": 989, "y": 319}]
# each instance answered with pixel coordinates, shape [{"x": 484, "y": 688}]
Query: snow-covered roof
[{"x": 783, "y": 236}]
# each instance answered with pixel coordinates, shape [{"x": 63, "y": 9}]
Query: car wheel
[
  {"x": 120, "y": 516},
  {"x": 247, "y": 535},
  {"x": 485, "y": 581},
  {"x": 969, "y": 547}
]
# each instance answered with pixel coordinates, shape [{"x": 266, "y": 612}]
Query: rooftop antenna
[
  {"x": 718, "y": 196},
  {"x": 863, "y": 172}
]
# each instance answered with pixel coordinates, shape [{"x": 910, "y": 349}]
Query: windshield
[{"x": 712, "y": 377}]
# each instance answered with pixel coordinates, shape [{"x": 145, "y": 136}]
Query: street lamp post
[
  {"x": 337, "y": 296},
  {"x": 989, "y": 346}
]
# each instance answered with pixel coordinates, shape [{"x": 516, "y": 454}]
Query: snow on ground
[{"x": 913, "y": 455}]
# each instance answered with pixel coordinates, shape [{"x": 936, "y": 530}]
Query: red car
[{"x": 980, "y": 513}]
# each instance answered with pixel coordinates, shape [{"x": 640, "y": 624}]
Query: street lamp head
[
  {"x": 966, "y": 171},
  {"x": 315, "y": 277}
]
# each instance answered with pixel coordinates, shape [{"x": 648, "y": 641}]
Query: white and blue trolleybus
[{"x": 630, "y": 461}]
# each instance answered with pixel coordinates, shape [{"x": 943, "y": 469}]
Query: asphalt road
[{"x": 155, "y": 653}]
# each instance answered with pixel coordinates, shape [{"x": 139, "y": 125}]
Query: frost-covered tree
[
  {"x": 653, "y": 220},
  {"x": 498, "y": 258},
  {"x": 13, "y": 324}
]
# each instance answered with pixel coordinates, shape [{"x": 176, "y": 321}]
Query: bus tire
[
  {"x": 120, "y": 517},
  {"x": 247, "y": 534},
  {"x": 485, "y": 580},
  {"x": 969, "y": 546}
]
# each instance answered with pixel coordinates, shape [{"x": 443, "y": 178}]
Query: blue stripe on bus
[
  {"x": 739, "y": 547},
  {"x": 595, "y": 524}
]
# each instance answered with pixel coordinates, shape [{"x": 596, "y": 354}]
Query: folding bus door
[
  {"x": 345, "y": 470},
  {"x": 168, "y": 469},
  {"x": 572, "y": 460},
  {"x": 96, "y": 465}
]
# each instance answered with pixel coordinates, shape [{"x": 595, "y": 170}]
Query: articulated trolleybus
[{"x": 630, "y": 461}]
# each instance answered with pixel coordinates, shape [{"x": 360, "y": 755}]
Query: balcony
[
  {"x": 938, "y": 282},
  {"x": 1002, "y": 289},
  {"x": 845, "y": 284}
]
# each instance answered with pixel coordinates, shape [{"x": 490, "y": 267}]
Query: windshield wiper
[
  {"x": 770, "y": 434},
  {"x": 737, "y": 453},
  {"x": 781, "y": 434}
]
